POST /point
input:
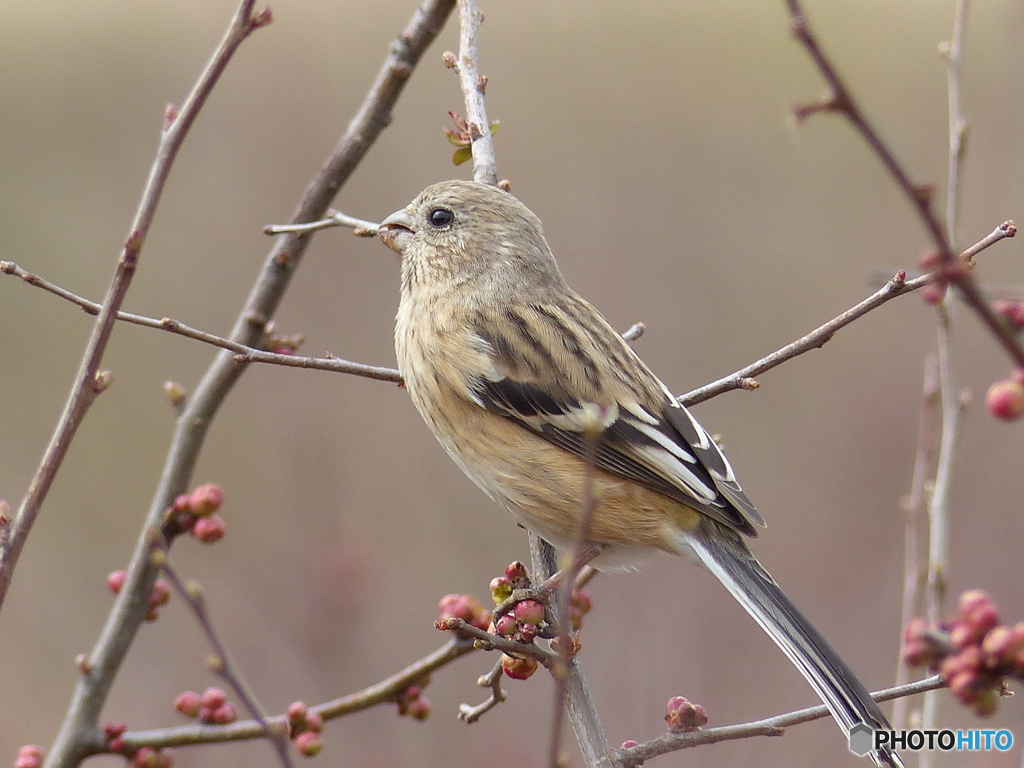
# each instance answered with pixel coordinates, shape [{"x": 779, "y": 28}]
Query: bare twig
[
  {"x": 362, "y": 227},
  {"x": 492, "y": 680},
  {"x": 84, "y": 387},
  {"x": 897, "y": 286},
  {"x": 224, "y": 665},
  {"x": 244, "y": 353},
  {"x": 840, "y": 101},
  {"x": 772, "y": 726},
  {"x": 485, "y": 164},
  {"x": 634, "y": 332},
  {"x": 911, "y": 507},
  {"x": 79, "y": 726}
]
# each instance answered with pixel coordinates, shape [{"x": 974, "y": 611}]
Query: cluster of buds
[
  {"x": 1005, "y": 399},
  {"x": 196, "y": 513},
  {"x": 683, "y": 716},
  {"x": 413, "y": 703},
  {"x": 530, "y": 611},
  {"x": 159, "y": 597},
  {"x": 115, "y": 736},
  {"x": 305, "y": 728},
  {"x": 465, "y": 607},
  {"x": 29, "y": 756},
  {"x": 212, "y": 707},
  {"x": 972, "y": 652}
]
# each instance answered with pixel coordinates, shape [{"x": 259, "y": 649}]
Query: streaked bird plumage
[{"x": 510, "y": 369}]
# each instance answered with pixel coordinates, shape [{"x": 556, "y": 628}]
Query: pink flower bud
[
  {"x": 29, "y": 756},
  {"x": 529, "y": 611},
  {"x": 188, "y": 703},
  {"x": 314, "y": 722},
  {"x": 309, "y": 743},
  {"x": 116, "y": 580},
  {"x": 518, "y": 669},
  {"x": 213, "y": 697},
  {"x": 209, "y": 529},
  {"x": 998, "y": 646},
  {"x": 501, "y": 589},
  {"x": 516, "y": 570},
  {"x": 582, "y": 600},
  {"x": 1005, "y": 400},
  {"x": 683, "y": 715},
  {"x": 161, "y": 593},
  {"x": 224, "y": 714},
  {"x": 506, "y": 625},
  {"x": 297, "y": 712},
  {"x": 419, "y": 709},
  {"x": 113, "y": 730},
  {"x": 964, "y": 687},
  {"x": 206, "y": 499},
  {"x": 145, "y": 758}
]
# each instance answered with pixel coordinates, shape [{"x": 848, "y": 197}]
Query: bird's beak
[{"x": 397, "y": 230}]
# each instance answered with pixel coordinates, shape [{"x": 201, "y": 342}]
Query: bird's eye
[{"x": 440, "y": 217}]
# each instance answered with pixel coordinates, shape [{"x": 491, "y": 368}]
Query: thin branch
[
  {"x": 244, "y": 353},
  {"x": 225, "y": 665},
  {"x": 634, "y": 332},
  {"x": 485, "y": 164},
  {"x": 897, "y": 286},
  {"x": 84, "y": 386},
  {"x": 383, "y": 692},
  {"x": 920, "y": 196},
  {"x": 485, "y": 641},
  {"x": 130, "y": 607},
  {"x": 362, "y": 227},
  {"x": 492, "y": 680},
  {"x": 772, "y": 726},
  {"x": 583, "y": 552},
  {"x": 742, "y": 379},
  {"x": 911, "y": 508}
]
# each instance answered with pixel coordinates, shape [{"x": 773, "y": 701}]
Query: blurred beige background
[{"x": 654, "y": 142}]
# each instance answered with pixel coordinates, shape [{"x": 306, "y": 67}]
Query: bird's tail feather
[{"x": 846, "y": 697}]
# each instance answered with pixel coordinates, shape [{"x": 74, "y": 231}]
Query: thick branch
[
  {"x": 84, "y": 387},
  {"x": 131, "y": 605}
]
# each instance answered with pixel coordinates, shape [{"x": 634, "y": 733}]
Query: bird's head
[{"x": 463, "y": 230}]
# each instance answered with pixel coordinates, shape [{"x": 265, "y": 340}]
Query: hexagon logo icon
[{"x": 861, "y": 739}]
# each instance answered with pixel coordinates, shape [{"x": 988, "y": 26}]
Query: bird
[{"x": 540, "y": 401}]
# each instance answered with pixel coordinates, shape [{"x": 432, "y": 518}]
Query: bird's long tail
[{"x": 846, "y": 697}]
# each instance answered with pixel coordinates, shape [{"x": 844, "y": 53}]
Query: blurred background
[{"x": 655, "y": 143}]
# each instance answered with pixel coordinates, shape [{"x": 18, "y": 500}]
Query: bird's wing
[{"x": 558, "y": 396}]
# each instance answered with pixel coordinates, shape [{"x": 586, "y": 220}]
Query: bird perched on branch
[{"x": 514, "y": 373}]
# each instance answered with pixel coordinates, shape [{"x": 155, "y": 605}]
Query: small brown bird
[{"x": 513, "y": 372}]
